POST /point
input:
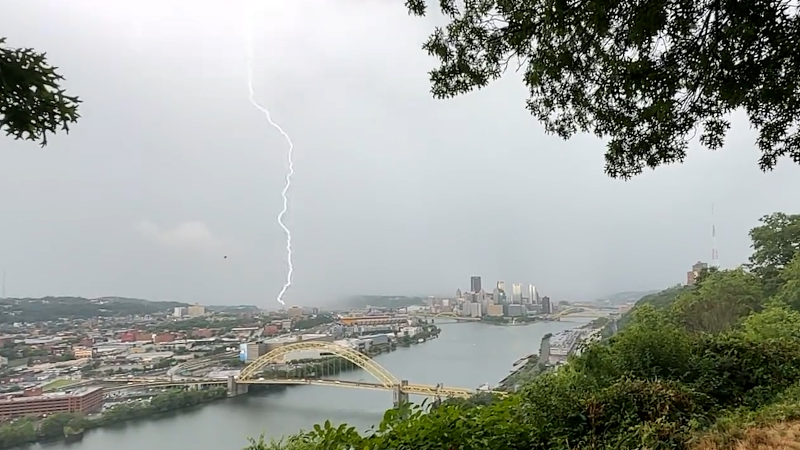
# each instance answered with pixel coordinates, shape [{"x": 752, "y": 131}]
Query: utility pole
[{"x": 714, "y": 253}]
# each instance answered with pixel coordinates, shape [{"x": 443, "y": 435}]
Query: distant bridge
[
  {"x": 383, "y": 379},
  {"x": 583, "y": 312},
  {"x": 446, "y": 314},
  {"x": 573, "y": 311}
]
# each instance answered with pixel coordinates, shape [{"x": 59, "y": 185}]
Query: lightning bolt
[{"x": 284, "y": 193}]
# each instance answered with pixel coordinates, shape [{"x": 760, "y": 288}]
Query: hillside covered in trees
[
  {"x": 46, "y": 309},
  {"x": 711, "y": 366}
]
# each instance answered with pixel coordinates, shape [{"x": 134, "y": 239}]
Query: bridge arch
[
  {"x": 275, "y": 356},
  {"x": 570, "y": 310}
]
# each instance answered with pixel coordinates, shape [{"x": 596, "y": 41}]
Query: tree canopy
[
  {"x": 775, "y": 242},
  {"x": 719, "y": 301},
  {"x": 32, "y": 102},
  {"x": 788, "y": 291},
  {"x": 647, "y": 75}
]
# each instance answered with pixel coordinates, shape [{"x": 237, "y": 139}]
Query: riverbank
[
  {"x": 70, "y": 426},
  {"x": 529, "y": 367},
  {"x": 466, "y": 355},
  {"x": 522, "y": 373},
  {"x": 512, "y": 321}
]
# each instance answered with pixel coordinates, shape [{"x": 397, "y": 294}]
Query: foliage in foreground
[
  {"x": 646, "y": 74},
  {"x": 702, "y": 367},
  {"x": 32, "y": 102}
]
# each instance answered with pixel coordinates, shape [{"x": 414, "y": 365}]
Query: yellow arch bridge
[{"x": 255, "y": 373}]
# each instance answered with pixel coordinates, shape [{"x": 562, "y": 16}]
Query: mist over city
[{"x": 170, "y": 169}]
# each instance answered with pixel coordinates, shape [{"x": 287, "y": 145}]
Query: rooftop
[
  {"x": 150, "y": 355},
  {"x": 51, "y": 395}
]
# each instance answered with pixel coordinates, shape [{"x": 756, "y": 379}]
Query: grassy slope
[{"x": 780, "y": 436}]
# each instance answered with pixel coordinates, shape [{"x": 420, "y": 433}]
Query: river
[{"x": 465, "y": 355}]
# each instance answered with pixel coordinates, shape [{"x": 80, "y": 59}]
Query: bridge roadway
[
  {"x": 409, "y": 389},
  {"x": 199, "y": 363}
]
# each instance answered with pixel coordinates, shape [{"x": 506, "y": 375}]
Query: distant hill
[
  {"x": 659, "y": 300},
  {"x": 662, "y": 299},
  {"x": 383, "y": 301},
  {"x": 48, "y": 309},
  {"x": 626, "y": 297}
]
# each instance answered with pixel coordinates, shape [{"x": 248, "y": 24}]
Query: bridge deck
[{"x": 412, "y": 389}]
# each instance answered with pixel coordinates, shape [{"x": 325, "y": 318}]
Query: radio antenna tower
[{"x": 714, "y": 254}]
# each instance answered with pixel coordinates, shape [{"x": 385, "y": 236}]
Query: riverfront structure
[{"x": 35, "y": 403}]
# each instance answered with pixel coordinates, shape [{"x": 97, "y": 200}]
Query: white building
[
  {"x": 516, "y": 293},
  {"x": 533, "y": 294},
  {"x": 475, "y": 310},
  {"x": 410, "y": 331},
  {"x": 305, "y": 354}
]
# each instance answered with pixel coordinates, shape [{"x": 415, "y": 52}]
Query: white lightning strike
[{"x": 265, "y": 111}]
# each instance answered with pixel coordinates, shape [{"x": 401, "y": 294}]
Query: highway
[{"x": 198, "y": 363}]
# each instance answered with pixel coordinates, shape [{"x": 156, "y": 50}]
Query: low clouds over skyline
[{"x": 394, "y": 192}]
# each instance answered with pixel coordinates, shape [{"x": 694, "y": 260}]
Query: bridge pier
[
  {"x": 400, "y": 396},
  {"x": 236, "y": 389}
]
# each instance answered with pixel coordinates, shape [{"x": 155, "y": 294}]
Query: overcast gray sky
[{"x": 170, "y": 168}]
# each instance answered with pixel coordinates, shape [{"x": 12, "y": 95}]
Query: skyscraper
[
  {"x": 533, "y": 295},
  {"x": 501, "y": 285},
  {"x": 516, "y": 293},
  {"x": 475, "y": 284},
  {"x": 547, "y": 307}
]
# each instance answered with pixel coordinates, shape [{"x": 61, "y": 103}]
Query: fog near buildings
[{"x": 170, "y": 168}]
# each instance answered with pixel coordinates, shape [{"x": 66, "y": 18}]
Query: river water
[{"x": 465, "y": 355}]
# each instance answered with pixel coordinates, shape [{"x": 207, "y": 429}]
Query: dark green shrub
[{"x": 735, "y": 371}]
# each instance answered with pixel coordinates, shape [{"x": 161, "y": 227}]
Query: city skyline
[{"x": 476, "y": 284}]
